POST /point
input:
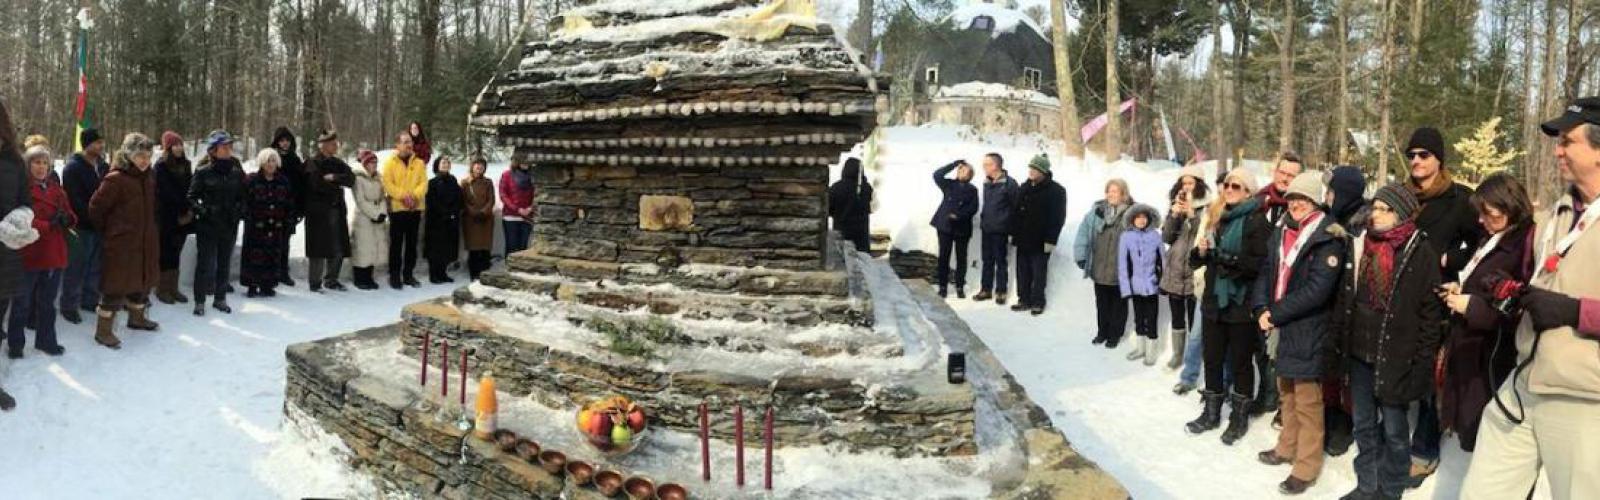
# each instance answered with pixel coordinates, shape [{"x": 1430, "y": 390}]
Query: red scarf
[
  {"x": 1377, "y": 271},
  {"x": 1271, "y": 198}
]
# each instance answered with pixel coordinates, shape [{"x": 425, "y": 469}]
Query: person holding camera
[
  {"x": 953, "y": 220},
  {"x": 1478, "y": 353},
  {"x": 1553, "y": 394}
]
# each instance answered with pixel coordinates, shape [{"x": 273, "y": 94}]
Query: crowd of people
[
  {"x": 100, "y": 236},
  {"x": 1431, "y": 307}
]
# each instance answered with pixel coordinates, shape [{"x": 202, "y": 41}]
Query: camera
[{"x": 1508, "y": 295}]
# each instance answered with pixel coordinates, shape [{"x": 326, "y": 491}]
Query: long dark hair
[
  {"x": 1200, "y": 189},
  {"x": 420, "y": 136},
  {"x": 8, "y": 132}
]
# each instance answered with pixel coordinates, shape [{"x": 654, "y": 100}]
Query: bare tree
[
  {"x": 1071, "y": 136},
  {"x": 1113, "y": 132},
  {"x": 1286, "y": 75}
]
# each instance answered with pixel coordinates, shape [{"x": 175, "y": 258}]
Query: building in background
[{"x": 995, "y": 74}]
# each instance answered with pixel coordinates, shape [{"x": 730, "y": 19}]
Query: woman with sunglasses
[
  {"x": 1388, "y": 321},
  {"x": 1232, "y": 251}
]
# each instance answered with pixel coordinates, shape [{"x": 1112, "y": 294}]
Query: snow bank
[{"x": 984, "y": 90}]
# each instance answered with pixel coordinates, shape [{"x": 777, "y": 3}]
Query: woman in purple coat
[{"x": 1138, "y": 273}]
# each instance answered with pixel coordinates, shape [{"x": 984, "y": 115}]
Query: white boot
[
  {"x": 1152, "y": 351},
  {"x": 1138, "y": 348}
]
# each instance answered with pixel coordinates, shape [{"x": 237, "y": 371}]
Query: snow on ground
[{"x": 192, "y": 411}]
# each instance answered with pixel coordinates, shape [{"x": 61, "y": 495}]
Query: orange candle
[{"x": 487, "y": 407}]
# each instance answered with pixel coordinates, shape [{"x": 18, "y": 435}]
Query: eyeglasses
[
  {"x": 1234, "y": 186},
  {"x": 1412, "y": 155}
]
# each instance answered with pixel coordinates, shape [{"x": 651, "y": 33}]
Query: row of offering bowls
[{"x": 582, "y": 474}]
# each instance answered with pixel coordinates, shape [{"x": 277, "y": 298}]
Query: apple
[
  {"x": 621, "y": 435},
  {"x": 599, "y": 425},
  {"x": 636, "y": 419},
  {"x": 585, "y": 418}
]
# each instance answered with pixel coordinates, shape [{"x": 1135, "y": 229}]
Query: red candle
[
  {"x": 738, "y": 444},
  {"x": 463, "y": 376},
  {"x": 769, "y": 448},
  {"x": 705, "y": 444},
  {"x": 444, "y": 368},
  {"x": 425, "y": 342}
]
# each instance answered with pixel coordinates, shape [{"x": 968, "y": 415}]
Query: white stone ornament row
[
  {"x": 678, "y": 161},
  {"x": 679, "y": 109},
  {"x": 682, "y": 142}
]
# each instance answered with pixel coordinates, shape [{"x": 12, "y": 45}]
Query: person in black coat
[
  {"x": 953, "y": 220},
  {"x": 217, "y": 196},
  {"x": 1448, "y": 223},
  {"x": 1291, "y": 301},
  {"x": 294, "y": 169},
  {"x": 850, "y": 205},
  {"x": 442, "y": 222},
  {"x": 999, "y": 201},
  {"x": 1035, "y": 227},
  {"x": 1232, "y": 251},
  {"x": 80, "y": 286},
  {"x": 173, "y": 215},
  {"x": 1388, "y": 321},
  {"x": 267, "y": 216},
  {"x": 327, "y": 231}
]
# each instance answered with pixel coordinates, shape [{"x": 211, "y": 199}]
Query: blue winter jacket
[
  {"x": 999, "y": 202},
  {"x": 81, "y": 179},
  {"x": 960, "y": 204},
  {"x": 1139, "y": 254}
]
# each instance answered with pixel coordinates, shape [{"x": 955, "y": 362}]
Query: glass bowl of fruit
[{"x": 613, "y": 425}]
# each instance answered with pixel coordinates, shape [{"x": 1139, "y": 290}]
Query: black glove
[
  {"x": 60, "y": 220},
  {"x": 381, "y": 218},
  {"x": 1550, "y": 309}
]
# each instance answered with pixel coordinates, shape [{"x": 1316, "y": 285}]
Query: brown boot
[
  {"x": 138, "y": 320},
  {"x": 104, "y": 330}
]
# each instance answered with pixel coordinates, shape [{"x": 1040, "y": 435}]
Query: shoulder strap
[{"x": 1527, "y": 252}]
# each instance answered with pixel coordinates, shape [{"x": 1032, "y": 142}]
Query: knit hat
[
  {"x": 366, "y": 155},
  {"x": 327, "y": 135},
  {"x": 1400, "y": 199},
  {"x": 1041, "y": 163},
  {"x": 1243, "y": 176},
  {"x": 34, "y": 152},
  {"x": 170, "y": 138},
  {"x": 1347, "y": 186},
  {"x": 88, "y": 136},
  {"x": 1192, "y": 171},
  {"x": 1429, "y": 139},
  {"x": 1308, "y": 185},
  {"x": 35, "y": 140},
  {"x": 218, "y": 138}
]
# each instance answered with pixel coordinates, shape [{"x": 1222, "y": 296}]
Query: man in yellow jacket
[{"x": 405, "y": 181}]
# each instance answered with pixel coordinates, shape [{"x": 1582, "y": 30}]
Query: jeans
[
  {"x": 1190, "y": 375},
  {"x": 946, "y": 241},
  {"x": 36, "y": 300},
  {"x": 994, "y": 270},
  {"x": 403, "y": 230},
  {"x": 80, "y": 286},
  {"x": 516, "y": 234},
  {"x": 213, "y": 263},
  {"x": 1033, "y": 271},
  {"x": 1425, "y": 439},
  {"x": 1383, "y": 439}
]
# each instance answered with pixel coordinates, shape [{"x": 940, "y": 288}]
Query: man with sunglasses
[
  {"x": 1553, "y": 400},
  {"x": 1449, "y": 223}
]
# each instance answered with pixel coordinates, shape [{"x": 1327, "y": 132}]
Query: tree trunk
[
  {"x": 1241, "y": 54},
  {"x": 1071, "y": 133},
  {"x": 1385, "y": 90},
  {"x": 1113, "y": 132},
  {"x": 1344, "y": 82},
  {"x": 1219, "y": 143},
  {"x": 1549, "y": 105},
  {"x": 1286, "y": 75}
]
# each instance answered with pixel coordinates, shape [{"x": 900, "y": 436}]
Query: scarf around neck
[
  {"x": 1377, "y": 271},
  {"x": 1440, "y": 184},
  {"x": 1231, "y": 292}
]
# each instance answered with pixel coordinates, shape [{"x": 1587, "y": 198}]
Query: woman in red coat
[{"x": 43, "y": 261}]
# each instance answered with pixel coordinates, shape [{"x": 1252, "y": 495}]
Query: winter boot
[
  {"x": 72, "y": 316},
  {"x": 1138, "y": 350},
  {"x": 961, "y": 292},
  {"x": 363, "y": 278},
  {"x": 1113, "y": 342},
  {"x": 1000, "y": 299},
  {"x": 334, "y": 285},
  {"x": 1019, "y": 307},
  {"x": 139, "y": 320},
  {"x": 1152, "y": 351},
  {"x": 982, "y": 296},
  {"x": 1266, "y": 391},
  {"x": 1238, "y": 419},
  {"x": 1210, "y": 416},
  {"x": 1036, "y": 310},
  {"x": 200, "y": 305},
  {"x": 221, "y": 304},
  {"x": 944, "y": 292},
  {"x": 105, "y": 329},
  {"x": 7, "y": 403},
  {"x": 1180, "y": 339}
]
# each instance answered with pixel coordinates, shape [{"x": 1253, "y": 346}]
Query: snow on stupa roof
[
  {"x": 1005, "y": 20},
  {"x": 985, "y": 90}
]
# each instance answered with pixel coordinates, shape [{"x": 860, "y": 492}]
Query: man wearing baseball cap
[{"x": 1546, "y": 411}]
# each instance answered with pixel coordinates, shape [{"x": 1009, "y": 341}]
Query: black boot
[
  {"x": 363, "y": 278},
  {"x": 1266, "y": 392},
  {"x": 334, "y": 285},
  {"x": 72, "y": 316},
  {"x": 1238, "y": 419},
  {"x": 1338, "y": 436},
  {"x": 944, "y": 291},
  {"x": 6, "y": 401},
  {"x": 1210, "y": 416},
  {"x": 961, "y": 292}
]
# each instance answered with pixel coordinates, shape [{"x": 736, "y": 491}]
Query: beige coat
[
  {"x": 369, "y": 239},
  {"x": 1567, "y": 364}
]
